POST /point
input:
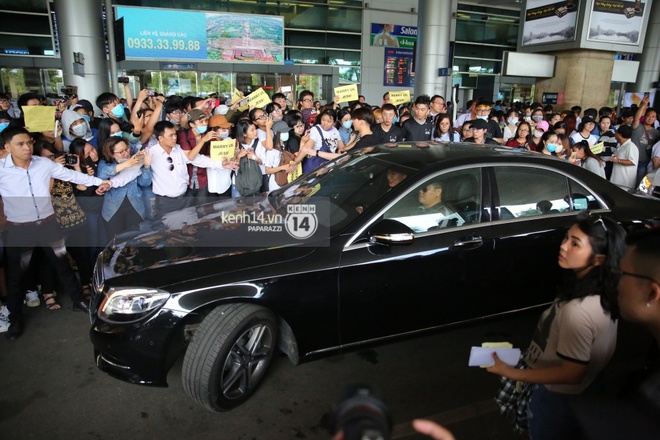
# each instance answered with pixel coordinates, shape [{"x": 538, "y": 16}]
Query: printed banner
[
  {"x": 392, "y": 35},
  {"x": 347, "y": 93},
  {"x": 221, "y": 150},
  {"x": 616, "y": 21},
  {"x": 400, "y": 97},
  {"x": 549, "y": 21}
]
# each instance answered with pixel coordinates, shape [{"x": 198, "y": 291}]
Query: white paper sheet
[{"x": 483, "y": 357}]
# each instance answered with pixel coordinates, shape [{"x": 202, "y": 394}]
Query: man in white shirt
[
  {"x": 169, "y": 170},
  {"x": 31, "y": 221},
  {"x": 624, "y": 168}
]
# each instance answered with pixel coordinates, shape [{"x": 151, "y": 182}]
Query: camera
[
  {"x": 362, "y": 415},
  {"x": 69, "y": 90},
  {"x": 70, "y": 159}
]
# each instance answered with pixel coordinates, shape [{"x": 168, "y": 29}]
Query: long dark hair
[
  {"x": 607, "y": 238},
  {"x": 436, "y": 125},
  {"x": 104, "y": 131},
  {"x": 584, "y": 146},
  {"x": 241, "y": 129}
]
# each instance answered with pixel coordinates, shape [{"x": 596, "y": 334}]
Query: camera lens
[
  {"x": 363, "y": 415},
  {"x": 70, "y": 159}
]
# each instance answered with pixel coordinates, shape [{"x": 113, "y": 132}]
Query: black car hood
[{"x": 200, "y": 234}]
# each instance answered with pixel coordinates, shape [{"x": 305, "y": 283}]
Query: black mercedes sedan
[{"x": 384, "y": 242}]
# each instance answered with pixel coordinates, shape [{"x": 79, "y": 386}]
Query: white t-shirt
[
  {"x": 577, "y": 137},
  {"x": 655, "y": 152},
  {"x": 625, "y": 176},
  {"x": 331, "y": 137},
  {"x": 579, "y": 331}
]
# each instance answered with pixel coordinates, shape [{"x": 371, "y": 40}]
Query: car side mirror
[{"x": 390, "y": 232}]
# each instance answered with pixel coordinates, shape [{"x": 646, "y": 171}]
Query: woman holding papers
[{"x": 574, "y": 338}]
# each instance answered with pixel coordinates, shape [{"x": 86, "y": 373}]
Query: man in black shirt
[
  {"x": 386, "y": 131},
  {"x": 494, "y": 131},
  {"x": 479, "y": 130},
  {"x": 420, "y": 127}
]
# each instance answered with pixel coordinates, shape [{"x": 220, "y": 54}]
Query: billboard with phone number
[{"x": 151, "y": 33}]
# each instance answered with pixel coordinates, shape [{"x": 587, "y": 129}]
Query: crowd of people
[{"x": 67, "y": 191}]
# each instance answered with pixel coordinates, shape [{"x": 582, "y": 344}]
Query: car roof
[{"x": 422, "y": 155}]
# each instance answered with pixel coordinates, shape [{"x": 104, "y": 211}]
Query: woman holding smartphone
[
  {"x": 88, "y": 199},
  {"x": 123, "y": 206}
]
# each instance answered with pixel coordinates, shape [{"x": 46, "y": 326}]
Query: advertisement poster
[
  {"x": 616, "y": 21},
  {"x": 398, "y": 67},
  {"x": 392, "y": 35},
  {"x": 151, "y": 33},
  {"x": 549, "y": 21}
]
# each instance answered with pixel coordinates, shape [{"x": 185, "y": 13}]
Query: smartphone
[
  {"x": 122, "y": 80},
  {"x": 90, "y": 163},
  {"x": 286, "y": 89},
  {"x": 647, "y": 94}
]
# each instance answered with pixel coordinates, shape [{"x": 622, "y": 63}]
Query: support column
[
  {"x": 433, "y": 37},
  {"x": 649, "y": 66},
  {"x": 80, "y": 27},
  {"x": 584, "y": 76}
]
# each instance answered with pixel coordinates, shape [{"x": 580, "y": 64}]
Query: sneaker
[
  {"x": 32, "y": 299},
  {"x": 4, "y": 325},
  {"x": 4, "y": 313}
]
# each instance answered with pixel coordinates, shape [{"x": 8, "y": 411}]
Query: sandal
[
  {"x": 51, "y": 302},
  {"x": 86, "y": 293}
]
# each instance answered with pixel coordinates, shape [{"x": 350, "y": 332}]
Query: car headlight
[{"x": 131, "y": 303}]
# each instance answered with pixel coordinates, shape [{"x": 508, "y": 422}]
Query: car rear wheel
[{"x": 228, "y": 355}]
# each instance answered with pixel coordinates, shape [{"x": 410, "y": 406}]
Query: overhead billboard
[
  {"x": 549, "y": 21},
  {"x": 616, "y": 21},
  {"x": 393, "y": 35},
  {"x": 170, "y": 34}
]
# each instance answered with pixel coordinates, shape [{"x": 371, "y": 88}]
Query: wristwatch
[{"x": 317, "y": 153}]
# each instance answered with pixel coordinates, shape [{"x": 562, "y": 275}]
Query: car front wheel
[{"x": 228, "y": 355}]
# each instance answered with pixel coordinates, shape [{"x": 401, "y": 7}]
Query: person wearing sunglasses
[
  {"x": 576, "y": 336},
  {"x": 123, "y": 205}
]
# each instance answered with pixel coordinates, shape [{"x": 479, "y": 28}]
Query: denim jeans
[{"x": 550, "y": 417}]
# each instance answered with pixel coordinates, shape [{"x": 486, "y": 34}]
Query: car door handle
[{"x": 471, "y": 241}]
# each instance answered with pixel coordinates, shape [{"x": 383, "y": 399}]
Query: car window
[
  {"x": 529, "y": 192},
  {"x": 582, "y": 198},
  {"x": 444, "y": 201}
]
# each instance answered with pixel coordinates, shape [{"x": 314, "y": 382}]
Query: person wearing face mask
[
  {"x": 551, "y": 146},
  {"x": 123, "y": 207},
  {"x": 511, "y": 125},
  {"x": 74, "y": 126},
  {"x": 537, "y": 116},
  {"x": 588, "y": 160},
  {"x": 219, "y": 181},
  {"x": 537, "y": 134},
  {"x": 193, "y": 141},
  {"x": 112, "y": 108},
  {"x": 344, "y": 125},
  {"x": 5, "y": 119}
]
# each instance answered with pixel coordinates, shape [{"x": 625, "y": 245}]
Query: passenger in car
[{"x": 575, "y": 338}]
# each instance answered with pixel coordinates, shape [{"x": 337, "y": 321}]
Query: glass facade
[
  {"x": 317, "y": 32},
  {"x": 482, "y": 35}
]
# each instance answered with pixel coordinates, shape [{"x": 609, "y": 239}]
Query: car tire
[{"x": 229, "y": 355}]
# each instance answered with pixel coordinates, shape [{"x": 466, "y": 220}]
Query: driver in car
[{"x": 430, "y": 198}]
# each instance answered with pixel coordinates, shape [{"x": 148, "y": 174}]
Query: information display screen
[
  {"x": 151, "y": 33},
  {"x": 398, "y": 67}
]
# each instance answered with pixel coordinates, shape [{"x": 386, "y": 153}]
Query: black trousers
[
  {"x": 166, "y": 204},
  {"x": 20, "y": 244}
]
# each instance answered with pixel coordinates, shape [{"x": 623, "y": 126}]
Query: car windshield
[{"x": 351, "y": 184}]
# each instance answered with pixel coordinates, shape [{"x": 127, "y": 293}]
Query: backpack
[
  {"x": 312, "y": 163},
  {"x": 248, "y": 177},
  {"x": 281, "y": 177}
]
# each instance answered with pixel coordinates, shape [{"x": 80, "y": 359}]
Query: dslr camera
[
  {"x": 70, "y": 159},
  {"x": 362, "y": 415}
]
